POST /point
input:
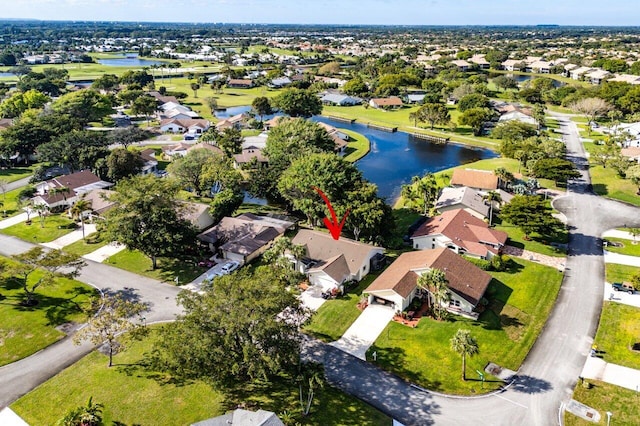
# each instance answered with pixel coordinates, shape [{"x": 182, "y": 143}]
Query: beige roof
[
  {"x": 321, "y": 246},
  {"x": 249, "y": 154},
  {"x": 207, "y": 146},
  {"x": 465, "y": 279},
  {"x": 336, "y": 267},
  {"x": 98, "y": 200},
  {"x": 392, "y": 101},
  {"x": 462, "y": 196},
  {"x": 464, "y": 230},
  {"x": 193, "y": 211},
  {"x": 631, "y": 152},
  {"x": 186, "y": 122},
  {"x": 482, "y": 179}
]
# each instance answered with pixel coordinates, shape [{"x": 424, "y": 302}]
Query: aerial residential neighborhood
[{"x": 259, "y": 213}]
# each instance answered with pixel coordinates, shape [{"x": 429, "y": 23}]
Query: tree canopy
[
  {"x": 531, "y": 214},
  {"x": 298, "y": 103}
]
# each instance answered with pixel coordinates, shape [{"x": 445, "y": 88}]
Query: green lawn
[
  {"x": 133, "y": 395},
  {"x": 168, "y": 268},
  {"x": 536, "y": 242},
  {"x": 618, "y": 331},
  {"x": 358, "y": 147},
  {"x": 13, "y": 174},
  {"x": 335, "y": 316},
  {"x": 623, "y": 403},
  {"x": 606, "y": 182},
  {"x": 9, "y": 205},
  {"x": 618, "y": 273},
  {"x": 520, "y": 301},
  {"x": 92, "y": 243},
  {"x": 55, "y": 226},
  {"x": 628, "y": 247},
  {"x": 24, "y": 331}
]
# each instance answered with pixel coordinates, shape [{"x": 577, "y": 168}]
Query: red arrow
[{"x": 332, "y": 225}]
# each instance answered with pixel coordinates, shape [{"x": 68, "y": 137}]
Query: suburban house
[
  {"x": 568, "y": 68},
  {"x": 461, "y": 232},
  {"x": 245, "y": 237},
  {"x": 339, "y": 100},
  {"x": 98, "y": 200},
  {"x": 463, "y": 198},
  {"x": 279, "y": 82},
  {"x": 518, "y": 115},
  {"x": 179, "y": 149},
  {"x": 480, "y": 61},
  {"x": 398, "y": 284},
  {"x": 206, "y": 145},
  {"x": 198, "y": 215},
  {"x": 632, "y": 153},
  {"x": 193, "y": 126},
  {"x": 597, "y": 76},
  {"x": 540, "y": 67},
  {"x": 163, "y": 99},
  {"x": 63, "y": 191},
  {"x": 392, "y": 102},
  {"x": 250, "y": 155},
  {"x": 240, "y": 83},
  {"x": 462, "y": 65},
  {"x": 512, "y": 65},
  {"x": 237, "y": 121},
  {"x": 339, "y": 138},
  {"x": 330, "y": 263},
  {"x": 480, "y": 180},
  {"x": 577, "y": 73},
  {"x": 149, "y": 162},
  {"x": 415, "y": 98},
  {"x": 176, "y": 111},
  {"x": 5, "y": 123},
  {"x": 626, "y": 78},
  {"x": 240, "y": 417}
]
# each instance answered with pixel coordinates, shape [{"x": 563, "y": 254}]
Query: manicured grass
[
  {"x": 618, "y": 273},
  {"x": 133, "y": 395},
  {"x": 335, "y": 316},
  {"x": 628, "y": 246},
  {"x": 536, "y": 242},
  {"x": 92, "y": 243},
  {"x": 520, "y": 301},
  {"x": 13, "y": 174},
  {"x": 618, "y": 331},
  {"x": 26, "y": 330},
  {"x": 55, "y": 226},
  {"x": 10, "y": 203},
  {"x": 168, "y": 268},
  {"x": 358, "y": 147},
  {"x": 623, "y": 403},
  {"x": 606, "y": 182}
]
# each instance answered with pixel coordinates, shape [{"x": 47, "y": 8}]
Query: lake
[
  {"x": 7, "y": 74},
  {"x": 130, "y": 60},
  {"x": 522, "y": 78},
  {"x": 396, "y": 157}
]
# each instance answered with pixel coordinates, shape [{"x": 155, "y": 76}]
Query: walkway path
[
  {"x": 71, "y": 237},
  {"x": 9, "y": 418},
  {"x": 597, "y": 369},
  {"x": 543, "y": 259},
  {"x": 621, "y": 259},
  {"x": 364, "y": 330},
  {"x": 104, "y": 252},
  {"x": 13, "y": 220}
]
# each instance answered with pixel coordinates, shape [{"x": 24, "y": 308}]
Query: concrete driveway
[
  {"x": 365, "y": 330},
  {"x": 621, "y": 296},
  {"x": 621, "y": 259},
  {"x": 312, "y": 298},
  {"x": 196, "y": 284}
]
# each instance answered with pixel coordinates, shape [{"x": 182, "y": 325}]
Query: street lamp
[{"x": 609, "y": 414}]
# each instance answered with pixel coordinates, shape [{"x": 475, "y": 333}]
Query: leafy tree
[
  {"x": 195, "y": 87},
  {"x": 531, "y": 214},
  {"x": 51, "y": 81},
  {"x": 7, "y": 59},
  {"x": 434, "y": 113},
  {"x": 122, "y": 163},
  {"x": 310, "y": 376},
  {"x": 473, "y": 100},
  {"x": 55, "y": 264},
  {"x": 139, "y": 77},
  {"x": 20, "y": 71},
  {"x": 19, "y": 102},
  {"x": 475, "y": 118},
  {"x": 43, "y": 211},
  {"x": 230, "y": 141},
  {"x": 436, "y": 283},
  {"x": 127, "y": 136},
  {"x": 513, "y": 131},
  {"x": 530, "y": 94},
  {"x": 355, "y": 87},
  {"x": 244, "y": 327},
  {"x": 212, "y": 103},
  {"x": 77, "y": 150},
  {"x": 619, "y": 163},
  {"x": 539, "y": 114},
  {"x": 298, "y": 103},
  {"x": 556, "y": 169},
  {"x": 148, "y": 217},
  {"x": 106, "y": 82},
  {"x": 330, "y": 68},
  {"x": 145, "y": 105},
  {"x": 633, "y": 173},
  {"x": 504, "y": 82},
  {"x": 369, "y": 216},
  {"x": 261, "y": 106},
  {"x": 111, "y": 322},
  {"x": 280, "y": 263},
  {"x": 128, "y": 96},
  {"x": 84, "y": 105},
  {"x": 85, "y": 415},
  {"x": 464, "y": 345},
  {"x": 421, "y": 194},
  {"x": 591, "y": 108},
  {"x": 190, "y": 168}
]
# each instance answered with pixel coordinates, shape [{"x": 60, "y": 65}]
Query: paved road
[
  {"x": 20, "y": 377},
  {"x": 550, "y": 371},
  {"x": 18, "y": 183}
]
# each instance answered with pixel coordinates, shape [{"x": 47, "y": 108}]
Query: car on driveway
[
  {"x": 628, "y": 287},
  {"x": 229, "y": 267}
]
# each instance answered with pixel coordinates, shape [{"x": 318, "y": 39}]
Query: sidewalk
[
  {"x": 597, "y": 369},
  {"x": 14, "y": 220},
  {"x": 71, "y": 237},
  {"x": 9, "y": 418},
  {"x": 103, "y": 253},
  {"x": 621, "y": 259}
]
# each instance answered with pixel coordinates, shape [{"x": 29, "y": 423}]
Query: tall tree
[
  {"x": 148, "y": 217},
  {"x": 421, "y": 193},
  {"x": 77, "y": 150},
  {"x": 242, "y": 328},
  {"x": 230, "y": 141},
  {"x": 145, "y": 105},
  {"x": 436, "y": 283},
  {"x": 531, "y": 214},
  {"x": 591, "y": 108},
  {"x": 84, "y": 105},
  {"x": 77, "y": 211},
  {"x": 127, "y": 135},
  {"x": 491, "y": 197},
  {"x": 434, "y": 113},
  {"x": 55, "y": 263},
  {"x": 475, "y": 118},
  {"x": 298, "y": 103},
  {"x": 122, "y": 163},
  {"x": 261, "y": 106},
  {"x": 112, "y": 323},
  {"x": 557, "y": 169},
  {"x": 465, "y": 345},
  {"x": 190, "y": 168},
  {"x": 106, "y": 82},
  {"x": 19, "y": 102},
  {"x": 195, "y": 87}
]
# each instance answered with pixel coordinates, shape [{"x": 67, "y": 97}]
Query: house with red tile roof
[
  {"x": 480, "y": 180},
  {"x": 461, "y": 232},
  {"x": 398, "y": 284},
  {"x": 392, "y": 102}
]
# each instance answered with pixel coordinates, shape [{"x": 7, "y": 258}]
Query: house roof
[
  {"x": 5, "y": 123},
  {"x": 391, "y": 101},
  {"x": 207, "y": 146},
  {"x": 249, "y": 154},
  {"x": 186, "y": 122},
  {"x": 78, "y": 182},
  {"x": 465, "y": 279},
  {"x": 193, "y": 211},
  {"x": 336, "y": 267},
  {"x": 464, "y": 230},
  {"x": 339, "y": 98},
  {"x": 148, "y": 155},
  {"x": 98, "y": 198},
  {"x": 631, "y": 152},
  {"x": 473, "y": 178},
  {"x": 241, "y": 417},
  {"x": 322, "y": 247},
  {"x": 462, "y": 196},
  {"x": 175, "y": 112},
  {"x": 240, "y": 82},
  {"x": 177, "y": 147},
  {"x": 245, "y": 233},
  {"x": 162, "y": 98},
  {"x": 461, "y": 63}
]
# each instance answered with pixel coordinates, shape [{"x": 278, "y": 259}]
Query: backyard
[
  {"x": 358, "y": 147},
  {"x": 133, "y": 395},
  {"x": 618, "y": 332},
  {"x": 519, "y": 304},
  {"x": 26, "y": 330}
]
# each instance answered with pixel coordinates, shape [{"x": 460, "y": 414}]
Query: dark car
[{"x": 628, "y": 287}]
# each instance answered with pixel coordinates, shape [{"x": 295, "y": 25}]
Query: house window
[{"x": 455, "y": 303}]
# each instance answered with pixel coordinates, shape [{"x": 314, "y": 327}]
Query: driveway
[
  {"x": 365, "y": 330},
  {"x": 621, "y": 259},
  {"x": 14, "y": 220},
  {"x": 597, "y": 369},
  {"x": 196, "y": 284},
  {"x": 71, "y": 237},
  {"x": 312, "y": 298},
  {"x": 104, "y": 252},
  {"x": 621, "y": 296}
]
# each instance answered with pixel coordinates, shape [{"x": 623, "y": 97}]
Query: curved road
[{"x": 548, "y": 375}]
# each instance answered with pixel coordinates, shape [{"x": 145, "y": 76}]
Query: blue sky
[{"x": 390, "y": 12}]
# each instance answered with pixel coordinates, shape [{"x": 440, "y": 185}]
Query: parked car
[
  {"x": 628, "y": 287},
  {"x": 229, "y": 267}
]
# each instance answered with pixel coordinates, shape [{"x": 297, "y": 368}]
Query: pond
[
  {"x": 396, "y": 157},
  {"x": 129, "y": 60},
  {"x": 522, "y": 78},
  {"x": 6, "y": 74}
]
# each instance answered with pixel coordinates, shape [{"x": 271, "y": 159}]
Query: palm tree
[
  {"x": 414, "y": 116},
  {"x": 43, "y": 211},
  {"x": 436, "y": 283},
  {"x": 79, "y": 207},
  {"x": 464, "y": 345},
  {"x": 491, "y": 197},
  {"x": 311, "y": 376},
  {"x": 89, "y": 415}
]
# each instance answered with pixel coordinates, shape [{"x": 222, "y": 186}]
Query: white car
[{"x": 229, "y": 267}]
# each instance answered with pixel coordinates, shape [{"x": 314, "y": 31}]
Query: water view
[{"x": 128, "y": 60}]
